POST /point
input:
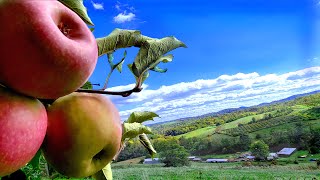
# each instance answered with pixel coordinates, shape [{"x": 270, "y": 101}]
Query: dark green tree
[
  {"x": 171, "y": 153},
  {"x": 244, "y": 141},
  {"x": 260, "y": 150}
]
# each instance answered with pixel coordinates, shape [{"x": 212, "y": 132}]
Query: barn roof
[{"x": 286, "y": 151}]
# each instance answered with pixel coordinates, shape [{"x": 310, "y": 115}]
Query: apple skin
[
  {"x": 47, "y": 51},
  {"x": 84, "y": 134},
  {"x": 23, "y": 124}
]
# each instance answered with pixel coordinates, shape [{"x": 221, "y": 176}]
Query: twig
[{"x": 121, "y": 93}]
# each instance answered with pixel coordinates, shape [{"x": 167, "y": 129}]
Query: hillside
[{"x": 250, "y": 119}]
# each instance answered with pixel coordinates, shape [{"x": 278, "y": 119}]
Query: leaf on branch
[
  {"x": 35, "y": 161},
  {"x": 132, "y": 130},
  {"x": 104, "y": 174},
  {"x": 140, "y": 117},
  {"x": 151, "y": 52},
  {"x": 78, "y": 7},
  {"x": 157, "y": 69},
  {"x": 87, "y": 85},
  {"x": 110, "y": 59},
  {"x": 119, "y": 38},
  {"x": 143, "y": 78},
  {"x": 147, "y": 144},
  {"x": 120, "y": 63}
]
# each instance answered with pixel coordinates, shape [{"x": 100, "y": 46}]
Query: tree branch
[{"x": 121, "y": 93}]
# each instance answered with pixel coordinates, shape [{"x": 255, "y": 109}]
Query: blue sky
[{"x": 240, "y": 52}]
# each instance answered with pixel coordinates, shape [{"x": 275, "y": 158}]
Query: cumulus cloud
[
  {"x": 98, "y": 6},
  {"x": 124, "y": 17},
  {"x": 187, "y": 99}
]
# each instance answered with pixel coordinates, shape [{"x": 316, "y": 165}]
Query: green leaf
[
  {"x": 151, "y": 52},
  {"x": 118, "y": 66},
  {"x": 104, "y": 174},
  {"x": 147, "y": 144},
  {"x": 78, "y": 7},
  {"x": 35, "y": 161},
  {"x": 91, "y": 29},
  {"x": 119, "y": 38},
  {"x": 87, "y": 85},
  {"x": 132, "y": 130},
  {"x": 143, "y": 78},
  {"x": 110, "y": 59},
  {"x": 157, "y": 69},
  {"x": 139, "y": 117}
]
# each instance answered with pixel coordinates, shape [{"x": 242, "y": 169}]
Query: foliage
[
  {"x": 314, "y": 142},
  {"x": 260, "y": 150},
  {"x": 171, "y": 153},
  {"x": 132, "y": 150},
  {"x": 244, "y": 141}
]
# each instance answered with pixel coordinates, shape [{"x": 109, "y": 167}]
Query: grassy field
[
  {"x": 211, "y": 171},
  {"x": 202, "y": 132}
]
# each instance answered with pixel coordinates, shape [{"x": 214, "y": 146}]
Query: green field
[
  {"x": 211, "y": 171},
  {"x": 202, "y": 132},
  {"x": 206, "y": 131}
]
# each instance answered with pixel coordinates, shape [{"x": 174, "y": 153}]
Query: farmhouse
[
  {"x": 286, "y": 151},
  {"x": 216, "y": 160},
  {"x": 151, "y": 161}
]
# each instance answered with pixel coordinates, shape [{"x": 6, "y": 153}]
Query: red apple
[
  {"x": 23, "y": 124},
  {"x": 46, "y": 50},
  {"x": 84, "y": 134}
]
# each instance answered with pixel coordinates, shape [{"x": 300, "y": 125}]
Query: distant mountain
[
  {"x": 230, "y": 110},
  {"x": 293, "y": 97}
]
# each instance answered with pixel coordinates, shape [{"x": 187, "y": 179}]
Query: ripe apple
[
  {"x": 46, "y": 49},
  {"x": 84, "y": 134},
  {"x": 23, "y": 124}
]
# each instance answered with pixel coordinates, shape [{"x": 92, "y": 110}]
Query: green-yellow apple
[
  {"x": 84, "y": 134},
  {"x": 23, "y": 124},
  {"x": 46, "y": 50}
]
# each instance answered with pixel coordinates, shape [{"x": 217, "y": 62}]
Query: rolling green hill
[{"x": 247, "y": 120}]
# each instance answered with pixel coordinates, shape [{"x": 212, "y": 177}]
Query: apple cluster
[{"x": 48, "y": 52}]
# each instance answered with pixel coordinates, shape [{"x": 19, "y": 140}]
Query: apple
[
  {"x": 46, "y": 50},
  {"x": 23, "y": 124},
  {"x": 84, "y": 134}
]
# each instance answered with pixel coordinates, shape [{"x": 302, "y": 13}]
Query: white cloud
[
  {"x": 124, "y": 17},
  {"x": 98, "y": 6},
  {"x": 202, "y": 96}
]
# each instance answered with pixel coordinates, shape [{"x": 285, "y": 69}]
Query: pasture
[{"x": 211, "y": 171}]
